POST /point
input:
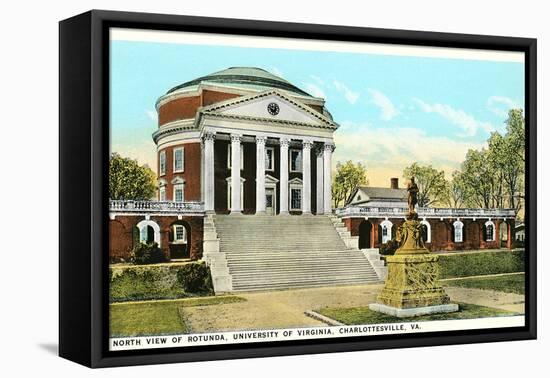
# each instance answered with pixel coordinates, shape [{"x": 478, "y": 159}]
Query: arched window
[
  {"x": 149, "y": 231},
  {"x": 458, "y": 231},
  {"x": 489, "y": 231},
  {"x": 426, "y": 231},
  {"x": 386, "y": 227}
]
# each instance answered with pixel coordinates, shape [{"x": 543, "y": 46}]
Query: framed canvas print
[{"x": 234, "y": 188}]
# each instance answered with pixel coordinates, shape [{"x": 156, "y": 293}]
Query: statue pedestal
[{"x": 412, "y": 287}]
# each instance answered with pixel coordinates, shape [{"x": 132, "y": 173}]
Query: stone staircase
[{"x": 281, "y": 252}]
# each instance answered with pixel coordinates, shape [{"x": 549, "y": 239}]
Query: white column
[
  {"x": 327, "y": 177},
  {"x": 306, "y": 176},
  {"x": 260, "y": 174},
  {"x": 208, "y": 141},
  {"x": 236, "y": 174},
  {"x": 283, "y": 202},
  {"x": 320, "y": 183}
]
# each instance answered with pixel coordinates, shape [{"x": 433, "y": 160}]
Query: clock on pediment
[{"x": 273, "y": 108}]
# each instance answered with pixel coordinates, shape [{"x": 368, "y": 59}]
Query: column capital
[
  {"x": 208, "y": 136},
  {"x": 307, "y": 144},
  {"x": 261, "y": 139},
  {"x": 236, "y": 138},
  {"x": 329, "y": 147},
  {"x": 284, "y": 142}
]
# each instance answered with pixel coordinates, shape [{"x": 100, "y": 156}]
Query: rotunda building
[{"x": 278, "y": 138}]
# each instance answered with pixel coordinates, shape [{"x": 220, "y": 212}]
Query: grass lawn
[
  {"x": 363, "y": 315},
  {"x": 156, "y": 317},
  {"x": 510, "y": 283}
]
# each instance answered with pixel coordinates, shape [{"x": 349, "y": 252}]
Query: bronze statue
[{"x": 412, "y": 199}]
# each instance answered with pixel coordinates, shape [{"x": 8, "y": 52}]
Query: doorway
[
  {"x": 270, "y": 201},
  {"x": 365, "y": 229}
]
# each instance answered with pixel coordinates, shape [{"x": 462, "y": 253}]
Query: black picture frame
[{"x": 83, "y": 164}]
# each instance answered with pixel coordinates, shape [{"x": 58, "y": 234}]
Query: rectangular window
[
  {"x": 269, "y": 159},
  {"x": 295, "y": 160},
  {"x": 162, "y": 193},
  {"x": 178, "y": 159},
  {"x": 295, "y": 199},
  {"x": 162, "y": 163},
  {"x": 178, "y": 193},
  {"x": 180, "y": 235},
  {"x": 229, "y": 156}
]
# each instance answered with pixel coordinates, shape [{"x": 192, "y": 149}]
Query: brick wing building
[{"x": 373, "y": 214}]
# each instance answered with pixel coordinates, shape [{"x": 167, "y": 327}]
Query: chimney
[{"x": 394, "y": 183}]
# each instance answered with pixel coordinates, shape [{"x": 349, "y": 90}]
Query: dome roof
[{"x": 246, "y": 77}]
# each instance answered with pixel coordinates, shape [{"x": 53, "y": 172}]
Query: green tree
[
  {"x": 348, "y": 176},
  {"x": 432, "y": 186},
  {"x": 457, "y": 195},
  {"x": 514, "y": 159},
  {"x": 128, "y": 180},
  {"x": 494, "y": 177},
  {"x": 478, "y": 178}
]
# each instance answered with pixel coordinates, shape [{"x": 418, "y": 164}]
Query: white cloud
[
  {"x": 387, "y": 108},
  {"x": 387, "y": 151},
  {"x": 152, "y": 115},
  {"x": 318, "y": 80},
  {"x": 350, "y": 95},
  {"x": 500, "y": 105},
  {"x": 314, "y": 90},
  {"x": 458, "y": 117}
]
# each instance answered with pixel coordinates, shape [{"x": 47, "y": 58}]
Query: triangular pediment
[
  {"x": 270, "y": 179},
  {"x": 270, "y": 106}
]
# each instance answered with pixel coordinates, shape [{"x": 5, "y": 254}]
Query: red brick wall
[
  {"x": 211, "y": 97},
  {"x": 181, "y": 108},
  {"x": 121, "y": 235},
  {"x": 191, "y": 171}
]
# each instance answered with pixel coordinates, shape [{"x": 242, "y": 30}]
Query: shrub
[
  {"x": 195, "y": 278},
  {"x": 389, "y": 248},
  {"x": 167, "y": 281},
  {"x": 481, "y": 263},
  {"x": 148, "y": 254}
]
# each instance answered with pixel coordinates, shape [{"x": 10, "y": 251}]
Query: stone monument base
[
  {"x": 414, "y": 311},
  {"x": 412, "y": 286}
]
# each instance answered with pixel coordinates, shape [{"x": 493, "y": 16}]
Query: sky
[{"x": 393, "y": 110}]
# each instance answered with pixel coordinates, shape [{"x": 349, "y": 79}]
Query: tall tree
[
  {"x": 128, "y": 180},
  {"x": 432, "y": 186},
  {"x": 514, "y": 159},
  {"x": 478, "y": 178},
  {"x": 348, "y": 176},
  {"x": 457, "y": 191}
]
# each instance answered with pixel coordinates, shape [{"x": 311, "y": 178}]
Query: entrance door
[{"x": 270, "y": 201}]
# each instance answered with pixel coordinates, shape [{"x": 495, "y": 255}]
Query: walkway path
[{"x": 282, "y": 309}]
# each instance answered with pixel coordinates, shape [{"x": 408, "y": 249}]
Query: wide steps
[{"x": 272, "y": 253}]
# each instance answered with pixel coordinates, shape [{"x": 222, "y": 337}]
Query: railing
[
  {"x": 128, "y": 206},
  {"x": 423, "y": 212}
]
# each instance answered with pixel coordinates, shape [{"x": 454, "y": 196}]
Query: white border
[
  {"x": 177, "y": 37},
  {"x": 307, "y": 333}
]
